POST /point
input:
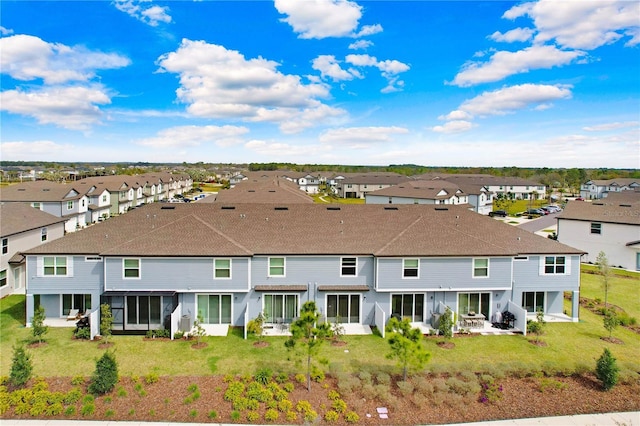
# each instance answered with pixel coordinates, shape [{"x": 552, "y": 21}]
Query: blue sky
[{"x": 436, "y": 83}]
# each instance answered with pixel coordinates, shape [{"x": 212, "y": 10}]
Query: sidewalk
[{"x": 608, "y": 419}]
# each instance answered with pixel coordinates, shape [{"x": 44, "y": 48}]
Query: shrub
[
  {"x": 285, "y": 405},
  {"x": 288, "y": 387},
  {"x": 303, "y": 406},
  {"x": 77, "y": 380},
  {"x": 317, "y": 375},
  {"x": 300, "y": 378},
  {"x": 263, "y": 375},
  {"x": 310, "y": 416},
  {"x": 213, "y": 414},
  {"x": 607, "y": 370},
  {"x": 339, "y": 406},
  {"x": 282, "y": 377},
  {"x": 151, "y": 378},
  {"x": 83, "y": 333},
  {"x": 70, "y": 411},
  {"x": 38, "y": 329},
  {"x": 193, "y": 414},
  {"x": 252, "y": 416},
  {"x": 271, "y": 415},
  {"x": 235, "y": 415},
  {"x": 291, "y": 416},
  {"x": 352, "y": 417},
  {"x": 54, "y": 409},
  {"x": 109, "y": 413},
  {"x": 331, "y": 416},
  {"x": 383, "y": 378},
  {"x": 88, "y": 409},
  {"x": 72, "y": 396},
  {"x": 21, "y": 366},
  {"x": 406, "y": 388},
  {"x": 333, "y": 395},
  {"x": 105, "y": 377}
]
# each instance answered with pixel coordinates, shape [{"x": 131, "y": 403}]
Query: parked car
[
  {"x": 532, "y": 212},
  {"x": 552, "y": 209},
  {"x": 498, "y": 213}
]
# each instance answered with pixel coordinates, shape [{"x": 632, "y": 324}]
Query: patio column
[
  {"x": 29, "y": 309},
  {"x": 575, "y": 306}
]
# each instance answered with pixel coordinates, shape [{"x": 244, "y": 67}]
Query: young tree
[
  {"x": 605, "y": 271},
  {"x": 610, "y": 321},
  {"x": 445, "y": 325},
  {"x": 406, "y": 345},
  {"x": 38, "y": 329},
  {"x": 105, "y": 377},
  {"x": 21, "y": 366},
  {"x": 106, "y": 321},
  {"x": 308, "y": 335},
  {"x": 537, "y": 327},
  {"x": 607, "y": 370},
  {"x": 256, "y": 326},
  {"x": 199, "y": 330}
]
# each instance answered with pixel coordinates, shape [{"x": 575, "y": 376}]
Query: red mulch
[{"x": 520, "y": 398}]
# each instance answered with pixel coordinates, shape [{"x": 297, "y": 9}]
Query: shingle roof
[
  {"x": 270, "y": 189},
  {"x": 19, "y": 217},
  {"x": 421, "y": 189},
  {"x": 604, "y": 210},
  {"x": 302, "y": 229},
  {"x": 41, "y": 191}
]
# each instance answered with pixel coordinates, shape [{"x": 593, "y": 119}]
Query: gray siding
[
  {"x": 315, "y": 270},
  {"x": 443, "y": 273},
  {"x": 177, "y": 274},
  {"x": 87, "y": 278}
]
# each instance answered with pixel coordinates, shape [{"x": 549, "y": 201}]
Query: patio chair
[{"x": 73, "y": 314}]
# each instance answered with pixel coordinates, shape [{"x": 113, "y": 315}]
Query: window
[
  {"x": 276, "y": 266},
  {"x": 93, "y": 259},
  {"x": 81, "y": 302},
  {"x": 144, "y": 310},
  {"x": 5, "y": 245},
  {"x": 104, "y": 198},
  {"x": 3, "y": 278},
  {"x": 215, "y": 308},
  {"x": 131, "y": 268},
  {"x": 55, "y": 266},
  {"x": 69, "y": 205},
  {"x": 596, "y": 228},
  {"x": 36, "y": 206},
  {"x": 343, "y": 308},
  {"x": 480, "y": 268},
  {"x": 348, "y": 267},
  {"x": 554, "y": 265},
  {"x": 280, "y": 307},
  {"x": 533, "y": 301},
  {"x": 222, "y": 268},
  {"x": 473, "y": 302},
  {"x": 410, "y": 268},
  {"x": 43, "y": 236},
  {"x": 409, "y": 306}
]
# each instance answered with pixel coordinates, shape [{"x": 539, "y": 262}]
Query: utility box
[{"x": 185, "y": 323}]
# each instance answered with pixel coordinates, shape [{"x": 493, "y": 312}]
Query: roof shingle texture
[
  {"x": 302, "y": 229},
  {"x": 19, "y": 217}
]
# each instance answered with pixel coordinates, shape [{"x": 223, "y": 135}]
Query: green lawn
[
  {"x": 324, "y": 198},
  {"x": 570, "y": 346}
]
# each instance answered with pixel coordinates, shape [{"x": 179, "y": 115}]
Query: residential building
[
  {"x": 514, "y": 187},
  {"x": 419, "y": 192},
  {"x": 610, "y": 225},
  {"x": 22, "y": 227},
  {"x": 357, "y": 185},
  {"x": 307, "y": 182},
  {"x": 596, "y": 189},
  {"x": 264, "y": 188},
  {"x": 64, "y": 200},
  {"x": 163, "y": 265}
]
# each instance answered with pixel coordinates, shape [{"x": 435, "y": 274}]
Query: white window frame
[
  {"x": 284, "y": 267},
  {"x": 43, "y": 234},
  {"x": 555, "y": 265},
  {"x": 5, "y": 246},
  {"x": 3, "y": 278},
  {"x": 69, "y": 205},
  {"x": 36, "y": 205},
  {"x": 405, "y": 268},
  {"x": 68, "y": 266},
  {"x": 596, "y": 228},
  {"x": 124, "y": 268},
  {"x": 475, "y": 268},
  {"x": 216, "y": 269},
  {"x": 343, "y": 266}
]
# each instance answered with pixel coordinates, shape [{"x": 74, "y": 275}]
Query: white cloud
[
  {"x": 68, "y": 107},
  {"x": 368, "y": 30},
  {"x": 5, "y": 31},
  {"x": 394, "y": 84},
  {"x": 220, "y": 83},
  {"x": 182, "y": 136},
  {"x": 360, "y": 44},
  {"x": 518, "y": 34},
  {"x": 388, "y": 69},
  {"x": 361, "y": 137},
  {"x": 330, "y": 67},
  {"x": 144, "y": 11},
  {"x": 275, "y": 150},
  {"x": 513, "y": 98},
  {"x": 581, "y": 24},
  {"x": 26, "y": 57},
  {"x": 454, "y": 126},
  {"x": 611, "y": 126},
  {"x": 362, "y": 60},
  {"x": 20, "y": 150},
  {"x": 320, "y": 18},
  {"x": 503, "y": 64},
  {"x": 456, "y": 115}
]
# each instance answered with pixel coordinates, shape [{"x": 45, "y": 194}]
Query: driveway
[{"x": 543, "y": 222}]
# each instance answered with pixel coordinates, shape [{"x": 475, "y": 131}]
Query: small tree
[
  {"x": 21, "y": 366},
  {"x": 199, "y": 330},
  {"x": 607, "y": 370},
  {"x": 308, "y": 335},
  {"x": 337, "y": 330},
  {"x": 605, "y": 271},
  {"x": 445, "y": 324},
  {"x": 610, "y": 321},
  {"x": 38, "y": 329},
  {"x": 406, "y": 345},
  {"x": 537, "y": 327},
  {"x": 256, "y": 326},
  {"x": 106, "y": 321},
  {"x": 105, "y": 377}
]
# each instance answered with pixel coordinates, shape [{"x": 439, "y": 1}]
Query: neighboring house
[
  {"x": 514, "y": 187},
  {"x": 64, "y": 200},
  {"x": 419, "y": 192},
  {"x": 596, "y": 189},
  {"x": 162, "y": 265},
  {"x": 611, "y": 225},
  {"x": 236, "y": 178},
  {"x": 264, "y": 189},
  {"x": 478, "y": 196},
  {"x": 306, "y": 181},
  {"x": 22, "y": 227},
  {"x": 357, "y": 185}
]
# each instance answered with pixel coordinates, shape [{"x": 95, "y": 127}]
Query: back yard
[{"x": 480, "y": 378}]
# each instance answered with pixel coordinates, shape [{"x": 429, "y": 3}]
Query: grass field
[
  {"x": 324, "y": 198},
  {"x": 570, "y": 347}
]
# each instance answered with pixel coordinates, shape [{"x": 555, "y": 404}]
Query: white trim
[
  {"x": 403, "y": 268},
  {"x": 473, "y": 268},
  {"x": 230, "y": 268},
  {"x": 284, "y": 266},
  {"x": 217, "y": 294},
  {"x": 139, "y": 268},
  {"x": 326, "y": 305},
  {"x": 356, "y": 266}
]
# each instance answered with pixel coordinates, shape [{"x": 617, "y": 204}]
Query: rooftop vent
[
  {"x": 333, "y": 208},
  {"x": 626, "y": 205},
  {"x": 272, "y": 190},
  {"x": 228, "y": 207},
  {"x": 168, "y": 208},
  {"x": 281, "y": 208},
  {"x": 252, "y": 190},
  {"x": 391, "y": 208},
  {"x": 442, "y": 209}
]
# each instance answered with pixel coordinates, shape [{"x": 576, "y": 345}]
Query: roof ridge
[
  {"x": 222, "y": 234},
  {"x": 400, "y": 234}
]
